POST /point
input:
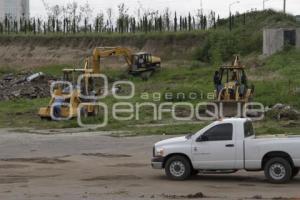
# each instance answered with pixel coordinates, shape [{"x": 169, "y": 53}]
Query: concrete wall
[
  {"x": 273, "y": 40},
  {"x": 298, "y": 37}
]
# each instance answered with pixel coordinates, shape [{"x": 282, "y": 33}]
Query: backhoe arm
[{"x": 99, "y": 53}]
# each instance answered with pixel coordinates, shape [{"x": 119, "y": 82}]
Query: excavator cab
[
  {"x": 144, "y": 64},
  {"x": 141, "y": 60}
]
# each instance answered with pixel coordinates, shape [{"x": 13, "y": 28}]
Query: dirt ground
[
  {"x": 19, "y": 52},
  {"x": 92, "y": 166}
]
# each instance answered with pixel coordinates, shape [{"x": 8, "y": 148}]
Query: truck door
[{"x": 215, "y": 149}]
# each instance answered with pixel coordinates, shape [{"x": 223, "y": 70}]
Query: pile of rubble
[
  {"x": 26, "y": 85},
  {"x": 283, "y": 112}
]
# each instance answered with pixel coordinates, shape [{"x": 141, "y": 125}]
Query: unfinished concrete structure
[{"x": 274, "y": 39}]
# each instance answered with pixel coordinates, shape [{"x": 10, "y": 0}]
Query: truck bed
[{"x": 277, "y": 136}]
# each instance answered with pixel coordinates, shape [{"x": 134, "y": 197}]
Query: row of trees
[{"x": 72, "y": 19}]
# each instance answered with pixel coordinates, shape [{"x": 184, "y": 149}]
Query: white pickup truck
[{"x": 227, "y": 146}]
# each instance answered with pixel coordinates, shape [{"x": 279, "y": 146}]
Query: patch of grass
[
  {"x": 7, "y": 70},
  {"x": 23, "y": 113},
  {"x": 274, "y": 127},
  {"x": 278, "y": 80},
  {"x": 180, "y": 129},
  {"x": 246, "y": 36}
]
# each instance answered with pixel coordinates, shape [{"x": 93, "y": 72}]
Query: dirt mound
[
  {"x": 11, "y": 166},
  {"x": 130, "y": 165},
  {"x": 37, "y": 160},
  {"x": 10, "y": 180},
  {"x": 105, "y": 155},
  {"x": 198, "y": 195},
  {"x": 113, "y": 177},
  {"x": 28, "y": 85}
]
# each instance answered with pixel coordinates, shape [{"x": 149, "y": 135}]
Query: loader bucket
[{"x": 227, "y": 109}]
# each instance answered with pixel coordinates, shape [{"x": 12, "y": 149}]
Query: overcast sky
[{"x": 181, "y": 6}]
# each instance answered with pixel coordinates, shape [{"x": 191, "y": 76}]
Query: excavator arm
[{"x": 101, "y": 52}]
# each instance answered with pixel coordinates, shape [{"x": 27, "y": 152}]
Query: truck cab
[{"x": 226, "y": 146}]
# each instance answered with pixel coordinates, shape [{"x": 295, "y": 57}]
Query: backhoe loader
[
  {"x": 232, "y": 90},
  {"x": 65, "y": 101}
]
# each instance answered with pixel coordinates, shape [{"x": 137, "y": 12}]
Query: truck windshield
[{"x": 248, "y": 129}]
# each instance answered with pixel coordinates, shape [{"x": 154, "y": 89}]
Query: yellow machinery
[
  {"x": 142, "y": 63},
  {"x": 234, "y": 86},
  {"x": 233, "y": 89},
  {"x": 69, "y": 100}
]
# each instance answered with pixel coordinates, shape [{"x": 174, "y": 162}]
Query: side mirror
[{"x": 202, "y": 138}]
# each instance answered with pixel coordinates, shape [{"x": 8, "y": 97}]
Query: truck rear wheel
[
  {"x": 278, "y": 170},
  {"x": 178, "y": 168}
]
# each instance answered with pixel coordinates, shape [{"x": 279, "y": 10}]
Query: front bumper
[{"x": 157, "y": 162}]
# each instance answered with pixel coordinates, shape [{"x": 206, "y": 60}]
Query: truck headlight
[{"x": 160, "y": 152}]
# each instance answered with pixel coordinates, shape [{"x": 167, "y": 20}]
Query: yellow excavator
[
  {"x": 64, "y": 104},
  {"x": 141, "y": 64}
]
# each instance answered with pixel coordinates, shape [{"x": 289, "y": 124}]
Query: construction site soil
[
  {"x": 24, "y": 85},
  {"x": 29, "y": 52}
]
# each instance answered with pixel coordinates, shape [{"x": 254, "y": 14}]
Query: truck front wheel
[
  {"x": 278, "y": 170},
  {"x": 178, "y": 168}
]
